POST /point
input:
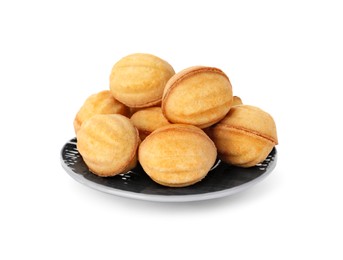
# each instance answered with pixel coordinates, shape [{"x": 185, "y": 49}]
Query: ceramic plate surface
[{"x": 222, "y": 180}]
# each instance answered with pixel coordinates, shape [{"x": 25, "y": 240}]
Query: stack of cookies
[{"x": 174, "y": 124}]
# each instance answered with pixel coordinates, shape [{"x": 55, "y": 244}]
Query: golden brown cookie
[
  {"x": 147, "y": 120},
  {"x": 236, "y": 101},
  {"x": 177, "y": 155},
  {"x": 138, "y": 80},
  {"x": 199, "y": 96},
  {"x": 108, "y": 144},
  {"x": 134, "y": 110},
  {"x": 99, "y": 103},
  {"x": 245, "y": 137}
]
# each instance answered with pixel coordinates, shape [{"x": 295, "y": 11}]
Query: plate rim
[{"x": 166, "y": 198}]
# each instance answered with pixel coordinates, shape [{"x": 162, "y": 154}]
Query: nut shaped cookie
[
  {"x": 199, "y": 96},
  {"x": 147, "y": 120},
  {"x": 102, "y": 102},
  {"x": 108, "y": 144},
  {"x": 138, "y": 80},
  {"x": 177, "y": 155},
  {"x": 245, "y": 136}
]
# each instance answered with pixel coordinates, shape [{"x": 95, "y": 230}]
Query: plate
[{"x": 222, "y": 180}]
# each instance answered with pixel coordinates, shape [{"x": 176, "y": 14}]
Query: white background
[{"x": 283, "y": 56}]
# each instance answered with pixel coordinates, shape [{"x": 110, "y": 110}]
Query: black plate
[{"x": 222, "y": 180}]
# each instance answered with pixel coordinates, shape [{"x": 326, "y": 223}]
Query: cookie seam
[{"x": 271, "y": 139}]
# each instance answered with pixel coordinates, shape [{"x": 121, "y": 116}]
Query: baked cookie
[
  {"x": 108, "y": 144},
  {"x": 99, "y": 103},
  {"x": 199, "y": 96},
  {"x": 236, "y": 101},
  {"x": 138, "y": 80},
  {"x": 245, "y": 137},
  {"x": 177, "y": 155},
  {"x": 147, "y": 120}
]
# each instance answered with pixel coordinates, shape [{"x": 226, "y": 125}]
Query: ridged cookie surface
[
  {"x": 108, "y": 144},
  {"x": 199, "y": 96},
  {"x": 177, "y": 155},
  {"x": 138, "y": 80},
  {"x": 245, "y": 136},
  {"x": 99, "y": 103},
  {"x": 147, "y": 120}
]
